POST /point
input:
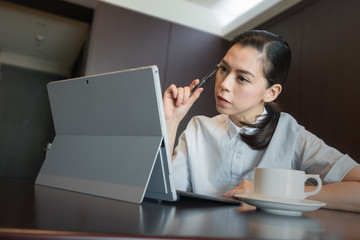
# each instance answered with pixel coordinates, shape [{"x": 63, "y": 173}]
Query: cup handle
[{"x": 319, "y": 184}]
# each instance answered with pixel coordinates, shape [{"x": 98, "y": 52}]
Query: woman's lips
[{"x": 222, "y": 100}]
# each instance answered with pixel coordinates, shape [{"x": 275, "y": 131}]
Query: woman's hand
[
  {"x": 178, "y": 100},
  {"x": 246, "y": 186}
]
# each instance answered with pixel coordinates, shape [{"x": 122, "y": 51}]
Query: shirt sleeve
[{"x": 318, "y": 158}]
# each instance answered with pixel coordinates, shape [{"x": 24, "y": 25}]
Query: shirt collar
[{"x": 234, "y": 130}]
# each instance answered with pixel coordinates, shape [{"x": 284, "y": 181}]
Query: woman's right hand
[{"x": 178, "y": 101}]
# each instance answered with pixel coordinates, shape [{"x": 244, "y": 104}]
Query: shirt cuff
[{"x": 340, "y": 169}]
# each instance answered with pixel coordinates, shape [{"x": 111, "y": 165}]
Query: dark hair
[{"x": 276, "y": 63}]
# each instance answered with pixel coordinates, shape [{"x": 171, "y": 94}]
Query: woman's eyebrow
[
  {"x": 237, "y": 70},
  {"x": 245, "y": 72}
]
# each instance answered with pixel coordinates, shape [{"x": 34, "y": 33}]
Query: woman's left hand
[{"x": 246, "y": 186}]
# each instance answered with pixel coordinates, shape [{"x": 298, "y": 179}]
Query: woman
[{"x": 217, "y": 156}]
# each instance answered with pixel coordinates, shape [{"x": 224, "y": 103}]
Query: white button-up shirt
[{"x": 211, "y": 157}]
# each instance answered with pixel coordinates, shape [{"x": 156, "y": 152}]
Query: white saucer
[{"x": 280, "y": 205}]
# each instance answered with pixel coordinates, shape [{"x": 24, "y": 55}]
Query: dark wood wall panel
[
  {"x": 333, "y": 72},
  {"x": 291, "y": 30},
  {"x": 324, "y": 82},
  {"x": 122, "y": 39}
]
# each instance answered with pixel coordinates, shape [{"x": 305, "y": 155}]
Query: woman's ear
[{"x": 272, "y": 93}]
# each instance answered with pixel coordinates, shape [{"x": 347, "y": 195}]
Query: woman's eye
[
  {"x": 223, "y": 69},
  {"x": 243, "y": 79}
]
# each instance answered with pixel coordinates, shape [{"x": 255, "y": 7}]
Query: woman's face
[{"x": 240, "y": 86}]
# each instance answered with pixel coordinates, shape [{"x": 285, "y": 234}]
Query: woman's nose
[{"x": 226, "y": 83}]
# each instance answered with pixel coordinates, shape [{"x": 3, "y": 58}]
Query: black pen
[{"x": 214, "y": 70}]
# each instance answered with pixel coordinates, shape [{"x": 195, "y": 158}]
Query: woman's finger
[
  {"x": 174, "y": 90},
  {"x": 180, "y": 96},
  {"x": 186, "y": 95},
  {"x": 171, "y": 92},
  {"x": 194, "y": 84}
]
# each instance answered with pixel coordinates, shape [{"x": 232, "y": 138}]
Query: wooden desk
[{"x": 33, "y": 212}]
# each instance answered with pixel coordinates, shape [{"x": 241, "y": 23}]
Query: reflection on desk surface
[
  {"x": 263, "y": 225},
  {"x": 84, "y": 213},
  {"x": 29, "y": 207}
]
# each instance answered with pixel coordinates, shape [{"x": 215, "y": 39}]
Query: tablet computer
[{"x": 110, "y": 137}]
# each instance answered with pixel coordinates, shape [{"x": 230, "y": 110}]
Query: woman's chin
[{"x": 222, "y": 110}]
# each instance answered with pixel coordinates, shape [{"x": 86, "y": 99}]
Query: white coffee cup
[{"x": 283, "y": 183}]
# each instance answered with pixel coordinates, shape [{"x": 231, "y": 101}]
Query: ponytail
[{"x": 264, "y": 129}]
